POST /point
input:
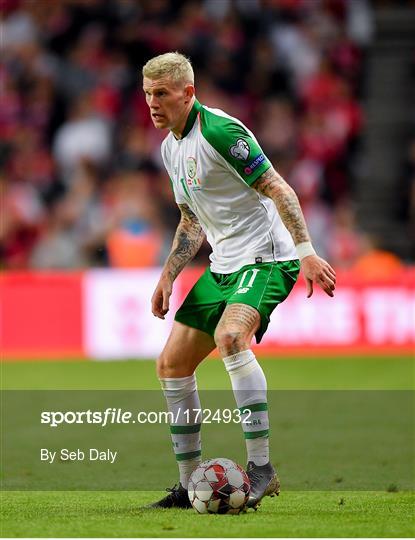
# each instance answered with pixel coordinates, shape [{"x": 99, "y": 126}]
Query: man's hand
[
  {"x": 161, "y": 297},
  {"x": 319, "y": 271}
]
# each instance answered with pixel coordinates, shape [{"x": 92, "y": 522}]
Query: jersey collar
[{"x": 191, "y": 118}]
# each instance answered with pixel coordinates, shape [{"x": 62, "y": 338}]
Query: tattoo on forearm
[
  {"x": 272, "y": 185},
  {"x": 187, "y": 241}
]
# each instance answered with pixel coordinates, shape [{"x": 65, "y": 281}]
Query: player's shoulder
[
  {"x": 234, "y": 142},
  {"x": 227, "y": 135},
  {"x": 216, "y": 122}
]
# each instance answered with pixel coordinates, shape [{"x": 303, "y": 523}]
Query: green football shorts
[{"x": 262, "y": 286}]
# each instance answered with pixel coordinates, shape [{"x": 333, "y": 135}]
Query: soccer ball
[{"x": 218, "y": 486}]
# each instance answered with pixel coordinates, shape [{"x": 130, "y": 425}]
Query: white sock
[
  {"x": 250, "y": 390},
  {"x": 182, "y": 398}
]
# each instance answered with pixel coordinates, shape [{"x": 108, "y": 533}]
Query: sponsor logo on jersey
[
  {"x": 254, "y": 164},
  {"x": 240, "y": 150}
]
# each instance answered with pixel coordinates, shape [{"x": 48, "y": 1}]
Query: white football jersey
[{"x": 211, "y": 170}]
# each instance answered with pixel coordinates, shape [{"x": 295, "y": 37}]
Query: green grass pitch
[{"x": 385, "y": 512}]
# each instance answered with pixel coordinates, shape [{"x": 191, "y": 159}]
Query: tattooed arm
[
  {"x": 272, "y": 185},
  {"x": 315, "y": 269},
  {"x": 187, "y": 241}
]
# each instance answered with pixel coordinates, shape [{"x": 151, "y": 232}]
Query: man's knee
[
  {"x": 230, "y": 341},
  {"x": 171, "y": 366}
]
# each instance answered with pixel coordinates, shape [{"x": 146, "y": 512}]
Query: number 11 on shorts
[{"x": 252, "y": 279}]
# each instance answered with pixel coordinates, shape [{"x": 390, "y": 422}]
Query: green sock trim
[
  {"x": 256, "y": 434},
  {"x": 188, "y": 455},
  {"x": 254, "y": 407},
  {"x": 183, "y": 430}
]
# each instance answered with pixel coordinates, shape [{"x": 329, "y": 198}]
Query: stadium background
[
  {"x": 87, "y": 211},
  {"x": 87, "y": 218}
]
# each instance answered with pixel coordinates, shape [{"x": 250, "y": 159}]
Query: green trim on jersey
[
  {"x": 233, "y": 142},
  {"x": 191, "y": 118},
  {"x": 185, "y": 189},
  {"x": 262, "y": 286}
]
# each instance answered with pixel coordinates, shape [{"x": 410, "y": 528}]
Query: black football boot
[{"x": 177, "y": 498}]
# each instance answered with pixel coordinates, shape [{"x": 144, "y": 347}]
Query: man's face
[{"x": 167, "y": 101}]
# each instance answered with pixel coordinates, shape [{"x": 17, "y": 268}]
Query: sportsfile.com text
[{"x": 112, "y": 415}]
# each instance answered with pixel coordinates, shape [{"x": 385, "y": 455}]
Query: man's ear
[{"x": 189, "y": 91}]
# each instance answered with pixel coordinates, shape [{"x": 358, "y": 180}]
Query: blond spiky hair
[{"x": 171, "y": 64}]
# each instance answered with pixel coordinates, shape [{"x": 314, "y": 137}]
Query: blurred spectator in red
[{"x": 22, "y": 215}]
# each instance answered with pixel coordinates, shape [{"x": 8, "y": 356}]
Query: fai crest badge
[
  {"x": 191, "y": 167},
  {"x": 192, "y": 180},
  {"x": 240, "y": 150}
]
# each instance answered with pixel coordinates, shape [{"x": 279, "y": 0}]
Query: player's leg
[
  {"x": 233, "y": 337},
  {"x": 186, "y": 347},
  {"x": 251, "y": 297},
  {"x": 190, "y": 341}
]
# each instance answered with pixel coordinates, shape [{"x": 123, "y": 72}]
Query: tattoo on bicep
[{"x": 272, "y": 185}]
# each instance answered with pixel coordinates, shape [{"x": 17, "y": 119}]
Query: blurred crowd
[{"x": 81, "y": 175}]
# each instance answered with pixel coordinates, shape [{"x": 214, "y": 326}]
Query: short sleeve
[
  {"x": 177, "y": 197},
  {"x": 236, "y": 144},
  {"x": 165, "y": 157}
]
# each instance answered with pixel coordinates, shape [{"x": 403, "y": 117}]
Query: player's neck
[{"x": 178, "y": 130}]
